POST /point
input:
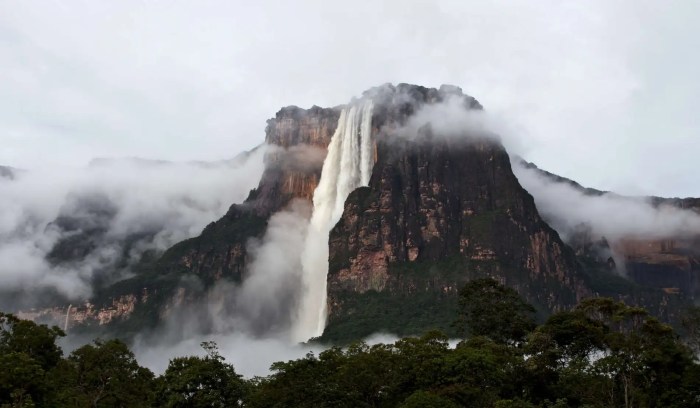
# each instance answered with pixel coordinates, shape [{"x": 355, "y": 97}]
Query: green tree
[
  {"x": 690, "y": 321},
  {"x": 311, "y": 381},
  {"x": 642, "y": 360},
  {"x": 103, "y": 374},
  {"x": 36, "y": 341},
  {"x": 424, "y": 399},
  {"x": 559, "y": 355},
  {"x": 28, "y": 352},
  {"x": 201, "y": 382},
  {"x": 476, "y": 371},
  {"x": 487, "y": 308}
]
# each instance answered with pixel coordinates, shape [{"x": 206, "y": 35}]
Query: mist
[
  {"x": 66, "y": 229},
  {"x": 562, "y": 205},
  {"x": 265, "y": 303},
  {"x": 250, "y": 356},
  {"x": 250, "y": 321},
  {"x": 608, "y": 215}
]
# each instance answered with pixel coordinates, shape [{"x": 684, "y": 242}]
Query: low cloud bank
[
  {"x": 250, "y": 355},
  {"x": 608, "y": 215},
  {"x": 453, "y": 119},
  {"x": 63, "y": 228},
  {"x": 564, "y": 206}
]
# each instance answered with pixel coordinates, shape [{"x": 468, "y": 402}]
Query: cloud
[
  {"x": 564, "y": 206},
  {"x": 266, "y": 300},
  {"x": 455, "y": 120},
  {"x": 298, "y": 158},
  {"x": 264, "y": 303},
  {"x": 581, "y": 81},
  {"x": 608, "y": 215},
  {"x": 249, "y": 321},
  {"x": 65, "y": 229},
  {"x": 251, "y": 356}
]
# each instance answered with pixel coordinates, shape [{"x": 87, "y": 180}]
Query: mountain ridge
[{"x": 185, "y": 271}]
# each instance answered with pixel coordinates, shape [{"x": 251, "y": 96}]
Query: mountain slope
[
  {"x": 296, "y": 141},
  {"x": 440, "y": 210},
  {"x": 667, "y": 258}
]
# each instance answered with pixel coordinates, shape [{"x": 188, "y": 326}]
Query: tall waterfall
[{"x": 347, "y": 166}]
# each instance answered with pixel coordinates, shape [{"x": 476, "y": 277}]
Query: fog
[
  {"x": 250, "y": 356},
  {"x": 608, "y": 215},
  {"x": 251, "y": 322},
  {"x": 570, "y": 86},
  {"x": 564, "y": 206},
  {"x": 66, "y": 228},
  {"x": 266, "y": 302}
]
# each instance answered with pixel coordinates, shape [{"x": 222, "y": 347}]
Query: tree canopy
[{"x": 601, "y": 353}]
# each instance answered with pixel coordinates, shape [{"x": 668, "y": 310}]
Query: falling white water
[{"x": 348, "y": 166}]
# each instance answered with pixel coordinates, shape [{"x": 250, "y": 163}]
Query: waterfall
[
  {"x": 65, "y": 326},
  {"x": 347, "y": 166}
]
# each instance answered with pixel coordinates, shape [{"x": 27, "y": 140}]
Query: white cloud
[
  {"x": 160, "y": 203},
  {"x": 249, "y": 355},
  {"x": 608, "y": 215}
]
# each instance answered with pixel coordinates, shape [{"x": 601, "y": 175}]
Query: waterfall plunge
[{"x": 348, "y": 166}]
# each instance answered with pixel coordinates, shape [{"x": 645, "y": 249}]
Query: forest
[{"x": 601, "y": 353}]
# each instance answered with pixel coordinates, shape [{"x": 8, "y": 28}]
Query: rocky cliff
[
  {"x": 440, "y": 210},
  {"x": 299, "y": 139},
  {"x": 296, "y": 140},
  {"x": 671, "y": 264}
]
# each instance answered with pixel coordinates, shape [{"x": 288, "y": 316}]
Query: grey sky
[{"x": 603, "y": 92}]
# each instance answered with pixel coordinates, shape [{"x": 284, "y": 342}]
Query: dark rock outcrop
[
  {"x": 449, "y": 209},
  {"x": 671, "y": 264}
]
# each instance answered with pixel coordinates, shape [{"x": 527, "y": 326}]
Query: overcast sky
[{"x": 605, "y": 92}]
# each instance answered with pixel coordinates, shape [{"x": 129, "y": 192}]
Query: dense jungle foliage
[{"x": 602, "y": 353}]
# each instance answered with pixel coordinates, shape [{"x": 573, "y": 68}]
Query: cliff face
[
  {"x": 438, "y": 211},
  {"x": 671, "y": 264},
  {"x": 297, "y": 140}
]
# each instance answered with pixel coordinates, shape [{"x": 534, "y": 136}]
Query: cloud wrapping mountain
[
  {"x": 61, "y": 229},
  {"x": 607, "y": 214}
]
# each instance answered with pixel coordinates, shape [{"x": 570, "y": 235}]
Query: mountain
[
  {"x": 296, "y": 140},
  {"x": 670, "y": 263},
  {"x": 441, "y": 205},
  {"x": 439, "y": 210},
  {"x": 85, "y": 218}
]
